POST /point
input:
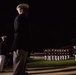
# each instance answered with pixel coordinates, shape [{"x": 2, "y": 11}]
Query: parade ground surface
[{"x": 68, "y": 70}]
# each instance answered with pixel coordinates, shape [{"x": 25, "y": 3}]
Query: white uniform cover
[{"x": 2, "y": 60}]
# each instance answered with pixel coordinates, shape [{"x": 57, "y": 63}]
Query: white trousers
[{"x": 2, "y": 60}]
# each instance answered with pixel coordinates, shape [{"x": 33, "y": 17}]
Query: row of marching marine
[{"x": 56, "y": 54}]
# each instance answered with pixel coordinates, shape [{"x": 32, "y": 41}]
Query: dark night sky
[{"x": 52, "y": 21}]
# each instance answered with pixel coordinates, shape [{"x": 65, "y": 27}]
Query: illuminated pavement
[{"x": 47, "y": 71}]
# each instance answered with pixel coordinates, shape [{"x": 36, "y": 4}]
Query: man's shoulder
[{"x": 20, "y": 16}]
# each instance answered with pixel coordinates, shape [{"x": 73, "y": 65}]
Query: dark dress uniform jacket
[
  {"x": 4, "y": 49},
  {"x": 21, "y": 33}
]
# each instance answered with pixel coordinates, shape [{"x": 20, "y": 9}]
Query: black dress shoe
[
  {"x": 2, "y": 71},
  {"x": 27, "y": 73}
]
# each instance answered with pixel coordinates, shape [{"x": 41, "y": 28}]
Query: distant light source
[{"x": 74, "y": 47}]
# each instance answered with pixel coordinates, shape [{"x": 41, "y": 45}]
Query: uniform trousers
[
  {"x": 19, "y": 62},
  {"x": 2, "y": 61}
]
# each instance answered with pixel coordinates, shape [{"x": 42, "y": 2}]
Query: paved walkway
[{"x": 47, "y": 71}]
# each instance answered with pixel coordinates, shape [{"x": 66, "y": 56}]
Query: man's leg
[
  {"x": 2, "y": 60},
  {"x": 19, "y": 62}
]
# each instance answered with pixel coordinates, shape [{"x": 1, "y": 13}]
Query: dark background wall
[{"x": 52, "y": 21}]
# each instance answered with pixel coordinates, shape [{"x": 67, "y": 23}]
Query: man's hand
[{"x": 10, "y": 53}]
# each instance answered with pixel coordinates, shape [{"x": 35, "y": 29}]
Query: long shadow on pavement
[
  {"x": 50, "y": 70},
  {"x": 66, "y": 70}
]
